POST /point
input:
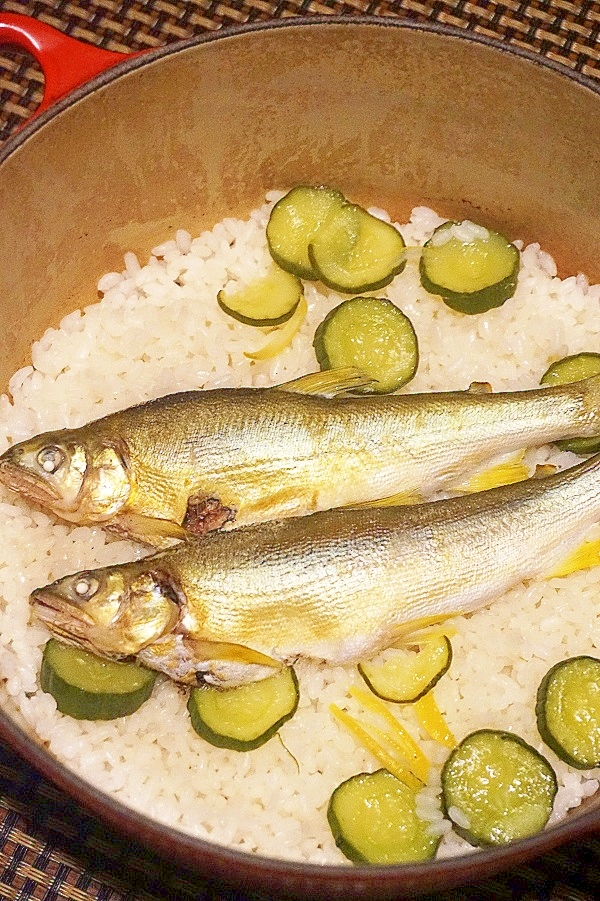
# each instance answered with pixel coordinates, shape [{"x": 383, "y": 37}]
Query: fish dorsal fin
[
  {"x": 328, "y": 383},
  {"x": 585, "y": 556},
  {"x": 229, "y": 652}
]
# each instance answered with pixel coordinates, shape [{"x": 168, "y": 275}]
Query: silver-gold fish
[
  {"x": 337, "y": 586},
  {"x": 199, "y": 460}
]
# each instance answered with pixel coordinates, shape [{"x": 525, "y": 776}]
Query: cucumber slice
[
  {"x": 472, "y": 268},
  {"x": 568, "y": 711},
  {"x": 573, "y": 369},
  {"x": 269, "y": 300},
  {"x": 244, "y": 718},
  {"x": 88, "y": 687},
  {"x": 294, "y": 221},
  {"x": 404, "y": 679},
  {"x": 354, "y": 251},
  {"x": 373, "y": 820},
  {"x": 496, "y": 788},
  {"x": 370, "y": 334}
]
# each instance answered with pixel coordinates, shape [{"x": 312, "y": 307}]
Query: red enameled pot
[{"x": 126, "y": 149}]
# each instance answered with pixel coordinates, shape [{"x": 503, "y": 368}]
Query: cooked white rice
[{"x": 159, "y": 329}]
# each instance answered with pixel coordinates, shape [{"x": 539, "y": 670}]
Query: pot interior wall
[{"x": 393, "y": 116}]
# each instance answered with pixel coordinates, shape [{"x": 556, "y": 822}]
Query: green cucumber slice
[
  {"x": 472, "y": 268},
  {"x": 568, "y": 711},
  {"x": 496, "y": 788},
  {"x": 574, "y": 368},
  {"x": 370, "y": 334},
  {"x": 269, "y": 300},
  {"x": 353, "y": 251},
  {"x": 88, "y": 687},
  {"x": 404, "y": 679},
  {"x": 294, "y": 221},
  {"x": 245, "y": 717},
  {"x": 373, "y": 820}
]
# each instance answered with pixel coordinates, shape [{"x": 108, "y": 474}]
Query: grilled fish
[
  {"x": 199, "y": 460},
  {"x": 336, "y": 586}
]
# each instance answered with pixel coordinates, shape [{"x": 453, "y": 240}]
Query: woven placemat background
[
  {"x": 49, "y": 848},
  {"x": 564, "y": 31}
]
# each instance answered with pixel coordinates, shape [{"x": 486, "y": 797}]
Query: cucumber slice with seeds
[
  {"x": 244, "y": 718},
  {"x": 270, "y": 300},
  {"x": 294, "y": 221},
  {"x": 572, "y": 369},
  {"x": 568, "y": 711},
  {"x": 370, "y": 334},
  {"x": 404, "y": 678},
  {"x": 472, "y": 268},
  {"x": 496, "y": 788},
  {"x": 353, "y": 251},
  {"x": 88, "y": 687},
  {"x": 373, "y": 819}
]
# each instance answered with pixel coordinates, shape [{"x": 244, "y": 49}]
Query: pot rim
[
  {"x": 230, "y": 866},
  {"x": 137, "y": 60}
]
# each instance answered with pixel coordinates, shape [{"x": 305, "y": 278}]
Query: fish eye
[
  {"x": 51, "y": 459},
  {"x": 85, "y": 587}
]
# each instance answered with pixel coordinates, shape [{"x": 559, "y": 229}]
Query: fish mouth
[
  {"x": 62, "y": 618},
  {"x": 36, "y": 488}
]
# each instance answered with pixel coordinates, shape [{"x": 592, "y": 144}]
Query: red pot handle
[{"x": 66, "y": 62}]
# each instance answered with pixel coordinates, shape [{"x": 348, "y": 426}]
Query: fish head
[
  {"x": 116, "y": 611},
  {"x": 79, "y": 477}
]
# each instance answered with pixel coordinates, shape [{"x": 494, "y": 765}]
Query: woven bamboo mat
[
  {"x": 49, "y": 849},
  {"x": 562, "y": 30}
]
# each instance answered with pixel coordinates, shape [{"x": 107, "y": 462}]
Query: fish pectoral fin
[
  {"x": 421, "y": 629},
  {"x": 204, "y": 514},
  {"x": 203, "y": 649},
  {"x": 159, "y": 533},
  {"x": 585, "y": 556},
  {"x": 329, "y": 383}
]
